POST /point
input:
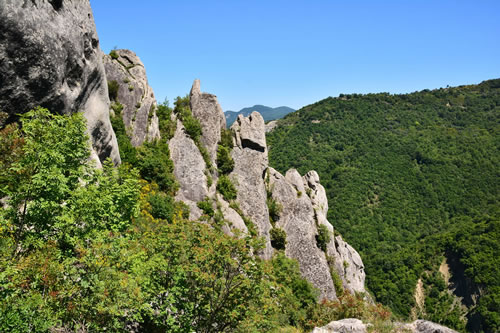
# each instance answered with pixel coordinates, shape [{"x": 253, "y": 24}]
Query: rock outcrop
[
  {"x": 126, "y": 69},
  {"x": 250, "y": 164},
  {"x": 424, "y": 326},
  {"x": 348, "y": 325},
  {"x": 189, "y": 170},
  {"x": 298, "y": 219},
  {"x": 207, "y": 110},
  {"x": 50, "y": 56},
  {"x": 351, "y": 325},
  {"x": 302, "y": 200}
]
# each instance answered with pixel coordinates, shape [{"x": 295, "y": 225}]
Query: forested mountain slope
[{"x": 409, "y": 178}]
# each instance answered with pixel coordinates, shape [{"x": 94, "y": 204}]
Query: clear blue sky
[{"x": 294, "y": 53}]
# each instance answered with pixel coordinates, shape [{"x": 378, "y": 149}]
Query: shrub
[
  {"x": 113, "y": 87},
  {"x": 275, "y": 209},
  {"x": 323, "y": 237},
  {"x": 206, "y": 207},
  {"x": 278, "y": 238},
  {"x": 226, "y": 188},
  {"x": 162, "y": 206},
  {"x": 225, "y": 162},
  {"x": 226, "y": 138},
  {"x": 113, "y": 54}
]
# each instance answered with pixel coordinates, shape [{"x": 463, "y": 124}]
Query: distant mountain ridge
[{"x": 267, "y": 113}]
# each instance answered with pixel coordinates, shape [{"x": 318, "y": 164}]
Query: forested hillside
[{"x": 410, "y": 178}]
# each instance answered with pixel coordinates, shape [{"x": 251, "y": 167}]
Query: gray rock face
[
  {"x": 348, "y": 263},
  {"x": 348, "y": 325},
  {"x": 189, "y": 169},
  {"x": 297, "y": 218},
  {"x": 271, "y": 125},
  {"x": 424, "y": 326},
  {"x": 50, "y": 56},
  {"x": 250, "y": 163},
  {"x": 207, "y": 110},
  {"x": 251, "y": 132},
  {"x": 135, "y": 94}
]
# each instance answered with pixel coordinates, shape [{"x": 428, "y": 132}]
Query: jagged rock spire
[{"x": 207, "y": 110}]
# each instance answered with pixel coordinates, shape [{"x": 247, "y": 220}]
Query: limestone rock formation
[
  {"x": 134, "y": 93},
  {"x": 348, "y": 325},
  {"x": 250, "y": 163},
  {"x": 303, "y": 199},
  {"x": 297, "y": 218},
  {"x": 50, "y": 56},
  {"x": 207, "y": 110},
  {"x": 189, "y": 170}
]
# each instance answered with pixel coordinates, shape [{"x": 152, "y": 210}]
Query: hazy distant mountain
[{"x": 267, "y": 113}]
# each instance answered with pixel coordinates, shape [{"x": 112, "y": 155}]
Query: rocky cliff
[
  {"x": 126, "y": 73},
  {"x": 302, "y": 200},
  {"x": 50, "y": 56}
]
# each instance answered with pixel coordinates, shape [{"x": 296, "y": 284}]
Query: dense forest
[
  {"x": 412, "y": 180},
  {"x": 86, "y": 249}
]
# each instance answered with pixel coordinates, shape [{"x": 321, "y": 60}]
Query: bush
[
  {"x": 162, "y": 206},
  {"x": 114, "y": 55},
  {"x": 323, "y": 237},
  {"x": 225, "y": 162},
  {"x": 226, "y": 188},
  {"x": 206, "y": 207},
  {"x": 113, "y": 88},
  {"x": 275, "y": 209},
  {"x": 278, "y": 238}
]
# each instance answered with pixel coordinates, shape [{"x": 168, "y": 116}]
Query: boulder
[
  {"x": 250, "y": 164},
  {"x": 50, "y": 56},
  {"x": 348, "y": 325},
  {"x": 424, "y": 326},
  {"x": 207, "y": 110},
  {"x": 135, "y": 94}
]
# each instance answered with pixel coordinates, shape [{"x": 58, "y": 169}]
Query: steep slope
[
  {"x": 403, "y": 174},
  {"x": 51, "y": 57},
  {"x": 266, "y": 112},
  {"x": 128, "y": 85}
]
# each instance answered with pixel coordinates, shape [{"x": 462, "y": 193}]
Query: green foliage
[
  {"x": 226, "y": 188},
  {"x": 274, "y": 208},
  {"x": 350, "y": 306},
  {"x": 278, "y": 238},
  {"x": 399, "y": 170},
  {"x": 113, "y": 88},
  {"x": 114, "y": 55},
  {"x": 54, "y": 198},
  {"x": 11, "y": 149},
  {"x": 323, "y": 237},
  {"x": 128, "y": 153},
  {"x": 226, "y": 138},
  {"x": 162, "y": 206},
  {"x": 206, "y": 207},
  {"x": 154, "y": 165},
  {"x": 166, "y": 125},
  {"x": 225, "y": 162}
]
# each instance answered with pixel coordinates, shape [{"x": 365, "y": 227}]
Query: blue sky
[{"x": 294, "y": 53}]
